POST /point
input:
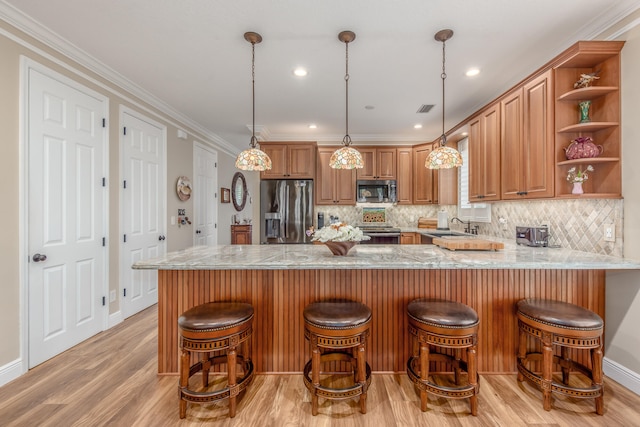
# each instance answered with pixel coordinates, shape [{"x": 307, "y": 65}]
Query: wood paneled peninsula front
[{"x": 280, "y": 280}]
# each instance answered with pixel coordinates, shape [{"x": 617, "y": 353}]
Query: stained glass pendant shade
[
  {"x": 443, "y": 157},
  {"x": 253, "y": 159},
  {"x": 346, "y": 157}
]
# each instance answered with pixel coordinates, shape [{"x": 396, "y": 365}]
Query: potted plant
[{"x": 338, "y": 237}]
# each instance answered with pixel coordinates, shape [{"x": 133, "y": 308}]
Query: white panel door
[
  {"x": 205, "y": 194},
  {"x": 67, "y": 152},
  {"x": 143, "y": 209}
]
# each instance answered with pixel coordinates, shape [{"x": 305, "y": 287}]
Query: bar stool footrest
[
  {"x": 537, "y": 381},
  {"x": 225, "y": 393},
  {"x": 336, "y": 393},
  {"x": 461, "y": 392}
]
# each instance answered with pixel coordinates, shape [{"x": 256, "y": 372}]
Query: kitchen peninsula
[{"x": 280, "y": 280}]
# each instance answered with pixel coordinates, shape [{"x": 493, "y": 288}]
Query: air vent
[{"x": 425, "y": 108}]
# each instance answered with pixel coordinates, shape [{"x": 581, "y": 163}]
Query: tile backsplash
[{"x": 575, "y": 223}]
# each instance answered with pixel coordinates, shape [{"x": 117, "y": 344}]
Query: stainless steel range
[{"x": 380, "y": 234}]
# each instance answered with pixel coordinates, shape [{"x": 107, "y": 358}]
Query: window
[{"x": 477, "y": 212}]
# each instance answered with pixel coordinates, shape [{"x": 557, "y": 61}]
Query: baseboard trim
[
  {"x": 114, "y": 319},
  {"x": 622, "y": 375},
  {"x": 10, "y": 371}
]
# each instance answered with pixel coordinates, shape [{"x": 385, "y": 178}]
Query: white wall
[{"x": 622, "y": 346}]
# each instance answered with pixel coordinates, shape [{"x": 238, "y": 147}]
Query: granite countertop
[{"x": 303, "y": 257}]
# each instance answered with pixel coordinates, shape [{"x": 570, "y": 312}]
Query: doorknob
[
  {"x": 161, "y": 238},
  {"x": 39, "y": 257}
]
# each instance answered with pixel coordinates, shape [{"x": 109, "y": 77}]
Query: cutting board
[
  {"x": 427, "y": 222},
  {"x": 467, "y": 244}
]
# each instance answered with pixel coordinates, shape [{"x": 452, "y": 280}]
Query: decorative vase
[
  {"x": 584, "y": 111},
  {"x": 340, "y": 248},
  {"x": 577, "y": 188},
  {"x": 581, "y": 148}
]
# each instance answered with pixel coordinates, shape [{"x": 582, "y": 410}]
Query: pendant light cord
[
  {"x": 253, "y": 94},
  {"x": 347, "y": 139},
  {"x": 443, "y": 137}
]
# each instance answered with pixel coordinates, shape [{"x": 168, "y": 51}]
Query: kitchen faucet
[{"x": 467, "y": 225}]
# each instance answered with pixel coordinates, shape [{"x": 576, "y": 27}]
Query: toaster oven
[{"x": 532, "y": 236}]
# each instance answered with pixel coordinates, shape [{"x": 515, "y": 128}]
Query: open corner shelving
[{"x": 604, "y": 128}]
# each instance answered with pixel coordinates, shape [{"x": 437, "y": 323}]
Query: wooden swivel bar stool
[
  {"x": 341, "y": 328},
  {"x": 569, "y": 327},
  {"x": 444, "y": 325},
  {"x": 215, "y": 330}
]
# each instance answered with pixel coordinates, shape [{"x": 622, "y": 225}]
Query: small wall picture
[{"x": 226, "y": 195}]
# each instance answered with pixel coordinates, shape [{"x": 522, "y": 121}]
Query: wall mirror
[{"x": 239, "y": 191}]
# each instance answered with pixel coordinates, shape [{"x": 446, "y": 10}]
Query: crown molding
[{"x": 32, "y": 28}]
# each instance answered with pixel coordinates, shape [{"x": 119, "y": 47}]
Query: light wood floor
[{"x": 110, "y": 380}]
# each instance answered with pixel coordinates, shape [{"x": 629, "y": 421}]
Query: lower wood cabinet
[
  {"x": 409, "y": 239},
  {"x": 241, "y": 234}
]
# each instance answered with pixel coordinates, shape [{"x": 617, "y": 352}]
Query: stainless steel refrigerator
[{"x": 286, "y": 210}]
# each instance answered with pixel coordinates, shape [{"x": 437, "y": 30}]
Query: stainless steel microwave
[{"x": 376, "y": 191}]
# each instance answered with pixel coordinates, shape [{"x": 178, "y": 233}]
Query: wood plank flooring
[{"x": 111, "y": 380}]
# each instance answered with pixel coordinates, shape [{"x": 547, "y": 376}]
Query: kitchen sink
[{"x": 427, "y": 237}]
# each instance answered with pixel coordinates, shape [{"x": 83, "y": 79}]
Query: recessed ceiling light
[
  {"x": 313, "y": 126},
  {"x": 300, "y": 72},
  {"x": 472, "y": 72},
  {"x": 465, "y": 134},
  {"x": 418, "y": 126}
]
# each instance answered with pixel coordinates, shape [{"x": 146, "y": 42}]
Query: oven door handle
[{"x": 382, "y": 234}]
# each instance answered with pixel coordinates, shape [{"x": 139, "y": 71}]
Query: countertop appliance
[
  {"x": 381, "y": 234},
  {"x": 532, "y": 236},
  {"x": 286, "y": 210}
]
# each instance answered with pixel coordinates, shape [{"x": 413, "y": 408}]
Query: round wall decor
[{"x": 183, "y": 188}]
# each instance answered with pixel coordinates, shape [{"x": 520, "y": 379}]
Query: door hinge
[
  {"x": 104, "y": 182},
  {"x": 124, "y": 292},
  {"x": 215, "y": 225},
  {"x": 124, "y": 184},
  {"x": 104, "y": 123},
  {"x": 124, "y": 130},
  {"x": 125, "y": 238},
  {"x": 104, "y": 301},
  {"x": 215, "y": 165},
  {"x": 104, "y": 241}
]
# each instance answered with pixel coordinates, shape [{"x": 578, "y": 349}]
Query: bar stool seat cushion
[
  {"x": 560, "y": 314},
  {"x": 215, "y": 316},
  {"x": 337, "y": 314},
  {"x": 441, "y": 313}
]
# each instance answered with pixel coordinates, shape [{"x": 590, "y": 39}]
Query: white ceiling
[{"x": 191, "y": 54}]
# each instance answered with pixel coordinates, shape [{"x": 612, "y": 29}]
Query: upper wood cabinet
[
  {"x": 484, "y": 155},
  {"x": 405, "y": 176},
  {"x": 604, "y": 124},
  {"x": 290, "y": 160},
  {"x": 446, "y": 183},
  {"x": 424, "y": 190},
  {"x": 527, "y": 140},
  {"x": 379, "y": 162},
  {"x": 333, "y": 186}
]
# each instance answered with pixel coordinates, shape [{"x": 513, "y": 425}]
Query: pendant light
[
  {"x": 443, "y": 157},
  {"x": 346, "y": 157},
  {"x": 253, "y": 159}
]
